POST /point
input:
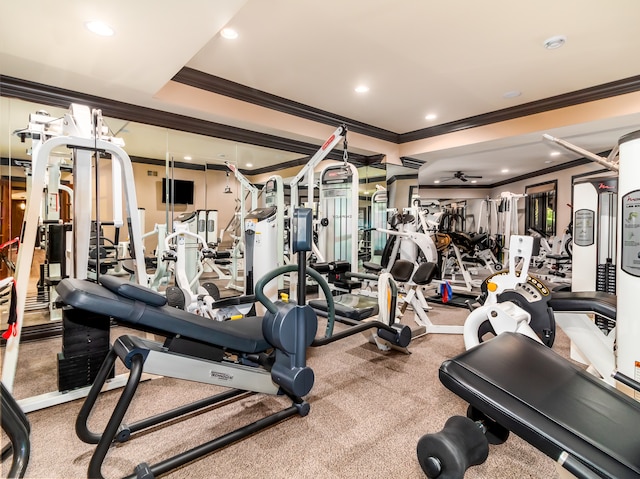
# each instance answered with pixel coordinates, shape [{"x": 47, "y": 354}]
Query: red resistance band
[{"x": 12, "y": 330}]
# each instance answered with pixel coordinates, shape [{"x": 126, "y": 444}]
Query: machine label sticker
[
  {"x": 221, "y": 376},
  {"x": 584, "y": 227},
  {"x": 631, "y": 233}
]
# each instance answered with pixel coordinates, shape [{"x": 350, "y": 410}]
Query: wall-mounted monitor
[{"x": 181, "y": 192}]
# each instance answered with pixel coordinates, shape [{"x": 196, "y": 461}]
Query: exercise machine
[
  {"x": 338, "y": 214},
  {"x": 588, "y": 426},
  {"x": 247, "y": 190},
  {"x": 594, "y": 223},
  {"x": 376, "y": 317},
  {"x": 616, "y": 351},
  {"x": 413, "y": 283},
  {"x": 187, "y": 250},
  {"x": 406, "y": 243},
  {"x": 379, "y": 218},
  {"x": 515, "y": 301},
  {"x": 514, "y": 383},
  {"x": 461, "y": 259},
  {"x": 274, "y": 197},
  {"x": 82, "y": 131},
  {"x": 261, "y": 246},
  {"x": 308, "y": 173},
  {"x": 530, "y": 308},
  {"x": 251, "y": 355}
]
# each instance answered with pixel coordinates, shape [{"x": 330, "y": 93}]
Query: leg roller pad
[
  {"x": 450, "y": 452},
  {"x": 401, "y": 338}
]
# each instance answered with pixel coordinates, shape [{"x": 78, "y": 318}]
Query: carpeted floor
[{"x": 368, "y": 410}]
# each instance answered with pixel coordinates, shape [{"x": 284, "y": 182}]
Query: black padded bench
[
  {"x": 596, "y": 302},
  {"x": 350, "y": 306},
  {"x": 565, "y": 412},
  {"x": 144, "y": 309}
]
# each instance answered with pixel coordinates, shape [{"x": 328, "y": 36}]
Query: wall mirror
[{"x": 159, "y": 156}]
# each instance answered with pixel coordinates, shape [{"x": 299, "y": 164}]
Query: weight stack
[
  {"x": 85, "y": 345},
  {"x": 605, "y": 282}
]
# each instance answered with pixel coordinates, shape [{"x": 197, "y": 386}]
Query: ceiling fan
[{"x": 459, "y": 175}]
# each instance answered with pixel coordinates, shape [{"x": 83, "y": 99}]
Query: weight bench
[
  {"x": 514, "y": 382},
  {"x": 253, "y": 354}
]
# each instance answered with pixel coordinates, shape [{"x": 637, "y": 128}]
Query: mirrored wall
[{"x": 175, "y": 172}]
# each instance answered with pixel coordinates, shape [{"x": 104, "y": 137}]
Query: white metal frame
[
  {"x": 278, "y": 202},
  {"x": 81, "y": 131},
  {"x": 379, "y": 211},
  {"x": 308, "y": 172},
  {"x": 236, "y": 254},
  {"x": 324, "y": 242}
]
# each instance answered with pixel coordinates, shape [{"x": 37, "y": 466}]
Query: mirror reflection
[{"x": 207, "y": 186}]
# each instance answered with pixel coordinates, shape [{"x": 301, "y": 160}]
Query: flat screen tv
[{"x": 182, "y": 192}]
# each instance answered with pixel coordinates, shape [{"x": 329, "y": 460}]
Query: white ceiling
[{"x": 454, "y": 59}]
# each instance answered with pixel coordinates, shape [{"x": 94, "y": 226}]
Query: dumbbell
[{"x": 462, "y": 443}]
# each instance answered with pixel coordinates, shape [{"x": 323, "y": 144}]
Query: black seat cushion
[
  {"x": 549, "y": 402},
  {"x": 402, "y": 270},
  {"x": 243, "y": 335},
  {"x": 425, "y": 273}
]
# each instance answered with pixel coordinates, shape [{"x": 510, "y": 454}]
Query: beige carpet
[{"x": 368, "y": 410}]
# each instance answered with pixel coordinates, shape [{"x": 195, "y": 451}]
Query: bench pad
[
  {"x": 549, "y": 402},
  {"x": 597, "y": 302},
  {"x": 350, "y": 306},
  {"x": 243, "y": 335}
]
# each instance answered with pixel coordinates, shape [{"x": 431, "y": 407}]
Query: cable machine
[
  {"x": 308, "y": 173},
  {"x": 246, "y": 190},
  {"x": 274, "y": 197},
  {"x": 378, "y": 221},
  {"x": 82, "y": 131},
  {"x": 338, "y": 214}
]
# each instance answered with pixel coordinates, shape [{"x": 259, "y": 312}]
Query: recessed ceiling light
[
  {"x": 430, "y": 117},
  {"x": 512, "y": 94},
  {"x": 504, "y": 170},
  {"x": 436, "y": 181},
  {"x": 249, "y": 165},
  {"x": 229, "y": 33},
  {"x": 188, "y": 158},
  {"x": 362, "y": 89},
  {"x": 474, "y": 181},
  {"x": 554, "y": 153},
  {"x": 99, "y": 28},
  {"x": 557, "y": 41}
]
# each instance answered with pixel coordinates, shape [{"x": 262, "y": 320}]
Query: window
[{"x": 540, "y": 213}]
